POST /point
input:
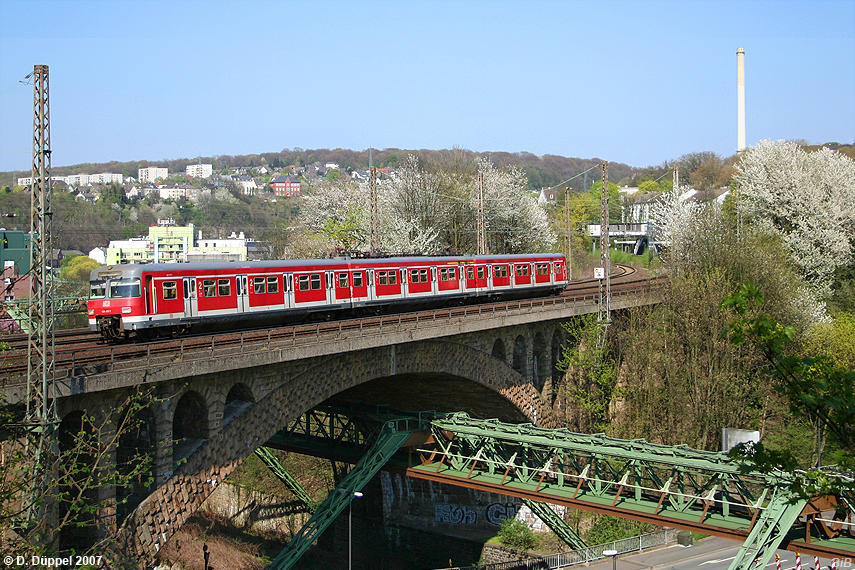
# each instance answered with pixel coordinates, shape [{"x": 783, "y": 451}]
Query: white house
[{"x": 99, "y": 254}]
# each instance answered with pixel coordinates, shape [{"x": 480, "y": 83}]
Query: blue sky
[{"x": 633, "y": 82}]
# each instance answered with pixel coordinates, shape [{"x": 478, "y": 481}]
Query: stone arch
[
  {"x": 238, "y": 400},
  {"x": 166, "y": 509},
  {"x": 138, "y": 438},
  {"x": 499, "y": 350},
  {"x": 189, "y": 424},
  {"x": 520, "y": 356},
  {"x": 540, "y": 363},
  {"x": 80, "y": 531}
]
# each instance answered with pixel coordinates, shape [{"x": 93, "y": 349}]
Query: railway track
[{"x": 80, "y": 349}]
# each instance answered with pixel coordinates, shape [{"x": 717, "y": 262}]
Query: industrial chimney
[{"x": 740, "y": 99}]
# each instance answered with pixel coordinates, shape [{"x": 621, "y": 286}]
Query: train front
[{"x": 115, "y": 300}]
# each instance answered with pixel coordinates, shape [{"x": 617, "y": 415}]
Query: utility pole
[
  {"x": 604, "y": 316},
  {"x": 40, "y": 410},
  {"x": 372, "y": 186},
  {"x": 568, "y": 233},
  {"x": 481, "y": 222}
]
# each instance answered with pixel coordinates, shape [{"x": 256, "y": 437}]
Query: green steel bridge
[{"x": 672, "y": 486}]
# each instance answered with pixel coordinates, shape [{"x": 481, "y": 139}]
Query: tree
[
  {"x": 515, "y": 221},
  {"x": 809, "y": 198},
  {"x": 78, "y": 268},
  {"x": 814, "y": 386}
]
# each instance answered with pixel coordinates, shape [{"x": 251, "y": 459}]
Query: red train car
[{"x": 174, "y": 297}]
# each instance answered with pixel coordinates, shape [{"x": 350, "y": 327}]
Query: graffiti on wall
[
  {"x": 450, "y": 513},
  {"x": 498, "y": 512}
]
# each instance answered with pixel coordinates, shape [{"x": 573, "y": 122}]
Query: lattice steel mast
[
  {"x": 480, "y": 219},
  {"x": 605, "y": 288},
  {"x": 40, "y": 411}
]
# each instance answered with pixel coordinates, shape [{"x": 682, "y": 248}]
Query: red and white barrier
[{"x": 798, "y": 561}]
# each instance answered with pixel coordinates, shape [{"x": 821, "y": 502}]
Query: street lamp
[
  {"x": 613, "y": 554},
  {"x": 353, "y": 495}
]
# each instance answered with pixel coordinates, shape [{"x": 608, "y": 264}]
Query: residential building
[
  {"x": 547, "y": 196},
  {"x": 27, "y": 180},
  {"x": 233, "y": 248},
  {"x": 199, "y": 170},
  {"x": 99, "y": 254},
  {"x": 286, "y": 186},
  {"x": 15, "y": 250},
  {"x": 247, "y": 184},
  {"x": 134, "y": 250},
  {"x": 176, "y": 192},
  {"x": 152, "y": 173},
  {"x": 168, "y": 243}
]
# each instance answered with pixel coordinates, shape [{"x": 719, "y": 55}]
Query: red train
[{"x": 157, "y": 298}]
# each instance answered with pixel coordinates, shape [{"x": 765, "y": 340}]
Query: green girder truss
[
  {"x": 556, "y": 524},
  {"x": 19, "y": 309},
  {"x": 266, "y": 456},
  {"x": 768, "y": 532},
  {"x": 391, "y": 437},
  {"x": 665, "y": 485}
]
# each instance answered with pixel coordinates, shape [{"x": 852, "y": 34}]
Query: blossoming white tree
[
  {"x": 516, "y": 223},
  {"x": 809, "y": 198},
  {"x": 424, "y": 211},
  {"x": 675, "y": 220}
]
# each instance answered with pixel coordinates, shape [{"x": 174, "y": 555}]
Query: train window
[
  {"x": 423, "y": 275},
  {"x": 500, "y": 271},
  {"x": 522, "y": 270},
  {"x": 303, "y": 282},
  {"x": 272, "y": 284},
  {"x": 98, "y": 290},
  {"x": 357, "y": 279},
  {"x": 224, "y": 287},
  {"x": 258, "y": 285},
  {"x": 316, "y": 282},
  {"x": 542, "y": 268},
  {"x": 557, "y": 267},
  {"x": 393, "y": 277},
  {"x": 414, "y": 276},
  {"x": 125, "y": 289},
  {"x": 481, "y": 272},
  {"x": 446, "y": 274},
  {"x": 381, "y": 278},
  {"x": 470, "y": 273},
  {"x": 343, "y": 281},
  {"x": 209, "y": 288},
  {"x": 170, "y": 290}
]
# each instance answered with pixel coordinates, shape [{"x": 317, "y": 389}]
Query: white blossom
[
  {"x": 809, "y": 198},
  {"x": 675, "y": 219}
]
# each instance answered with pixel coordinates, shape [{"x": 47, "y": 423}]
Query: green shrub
[{"x": 516, "y": 534}]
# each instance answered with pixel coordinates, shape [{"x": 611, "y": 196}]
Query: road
[{"x": 707, "y": 554}]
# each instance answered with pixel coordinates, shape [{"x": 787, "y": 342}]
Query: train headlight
[{"x": 126, "y": 310}]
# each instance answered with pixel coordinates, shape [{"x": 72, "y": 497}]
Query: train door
[
  {"x": 489, "y": 277},
  {"x": 372, "y": 291},
  {"x": 191, "y": 307},
  {"x": 288, "y": 289},
  {"x": 242, "y": 293},
  {"x": 330, "y": 288}
]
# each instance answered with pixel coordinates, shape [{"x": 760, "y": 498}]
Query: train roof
[{"x": 136, "y": 270}]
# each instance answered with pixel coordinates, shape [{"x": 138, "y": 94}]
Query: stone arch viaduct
[{"x": 213, "y": 407}]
